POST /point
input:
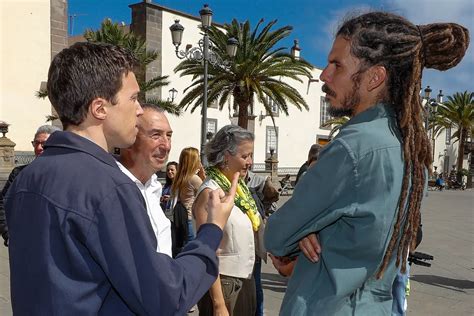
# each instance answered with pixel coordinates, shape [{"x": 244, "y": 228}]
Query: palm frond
[
  {"x": 257, "y": 69},
  {"x": 42, "y": 94},
  {"x": 168, "y": 106}
]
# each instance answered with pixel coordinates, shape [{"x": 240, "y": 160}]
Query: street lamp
[
  {"x": 431, "y": 108},
  {"x": 172, "y": 94},
  {"x": 296, "y": 50},
  {"x": 205, "y": 55}
]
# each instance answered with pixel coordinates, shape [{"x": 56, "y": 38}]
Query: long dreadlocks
[{"x": 404, "y": 49}]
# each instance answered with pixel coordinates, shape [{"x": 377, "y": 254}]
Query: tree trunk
[{"x": 243, "y": 115}]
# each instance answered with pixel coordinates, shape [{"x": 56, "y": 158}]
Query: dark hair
[
  {"x": 170, "y": 163},
  {"x": 313, "y": 153},
  {"x": 83, "y": 72},
  {"x": 388, "y": 40}
]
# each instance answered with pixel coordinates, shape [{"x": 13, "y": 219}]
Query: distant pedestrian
[
  {"x": 313, "y": 155},
  {"x": 40, "y": 138},
  {"x": 171, "y": 168},
  {"x": 265, "y": 196},
  {"x": 186, "y": 183}
]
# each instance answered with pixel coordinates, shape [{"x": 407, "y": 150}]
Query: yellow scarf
[{"x": 243, "y": 198}]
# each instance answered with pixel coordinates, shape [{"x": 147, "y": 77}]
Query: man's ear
[
  {"x": 377, "y": 76},
  {"x": 98, "y": 108}
]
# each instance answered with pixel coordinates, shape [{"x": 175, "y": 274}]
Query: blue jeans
[
  {"x": 399, "y": 292},
  {"x": 257, "y": 274},
  {"x": 191, "y": 233}
]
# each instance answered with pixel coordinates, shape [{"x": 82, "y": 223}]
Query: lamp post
[
  {"x": 296, "y": 50},
  {"x": 427, "y": 98},
  {"x": 439, "y": 100},
  {"x": 431, "y": 108},
  {"x": 203, "y": 54},
  {"x": 172, "y": 94}
]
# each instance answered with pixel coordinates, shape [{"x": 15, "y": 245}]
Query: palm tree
[
  {"x": 257, "y": 71},
  {"x": 113, "y": 33},
  {"x": 335, "y": 124},
  {"x": 457, "y": 113}
]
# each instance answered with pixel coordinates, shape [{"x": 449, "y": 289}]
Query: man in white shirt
[{"x": 142, "y": 160}]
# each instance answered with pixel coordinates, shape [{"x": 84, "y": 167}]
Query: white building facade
[
  {"x": 31, "y": 32},
  {"x": 294, "y": 134}
]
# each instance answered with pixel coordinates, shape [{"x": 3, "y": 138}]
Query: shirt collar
[
  {"x": 152, "y": 183},
  {"x": 379, "y": 110}
]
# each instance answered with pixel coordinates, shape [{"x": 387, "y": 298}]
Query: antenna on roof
[{"x": 72, "y": 17}]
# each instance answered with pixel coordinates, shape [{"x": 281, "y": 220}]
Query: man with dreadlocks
[{"x": 363, "y": 196}]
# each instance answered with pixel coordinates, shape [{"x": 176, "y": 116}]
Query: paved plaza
[{"x": 446, "y": 288}]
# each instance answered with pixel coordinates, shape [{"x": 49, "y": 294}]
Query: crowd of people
[{"x": 89, "y": 233}]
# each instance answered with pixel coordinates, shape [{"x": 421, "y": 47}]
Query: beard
[{"x": 350, "y": 101}]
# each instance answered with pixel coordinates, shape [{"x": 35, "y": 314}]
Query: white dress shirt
[{"x": 151, "y": 192}]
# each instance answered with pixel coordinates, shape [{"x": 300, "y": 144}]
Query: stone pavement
[{"x": 446, "y": 288}]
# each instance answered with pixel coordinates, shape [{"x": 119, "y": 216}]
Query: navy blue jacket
[
  {"x": 81, "y": 242},
  {"x": 3, "y": 223}
]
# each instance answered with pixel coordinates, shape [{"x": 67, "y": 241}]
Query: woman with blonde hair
[
  {"x": 230, "y": 151},
  {"x": 187, "y": 181}
]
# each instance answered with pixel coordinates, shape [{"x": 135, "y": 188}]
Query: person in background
[
  {"x": 42, "y": 134},
  {"x": 171, "y": 168},
  {"x": 228, "y": 152},
  {"x": 185, "y": 185},
  {"x": 140, "y": 163},
  {"x": 440, "y": 184},
  {"x": 265, "y": 196},
  {"x": 364, "y": 194},
  {"x": 313, "y": 155}
]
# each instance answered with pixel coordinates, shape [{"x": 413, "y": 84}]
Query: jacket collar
[{"x": 65, "y": 139}]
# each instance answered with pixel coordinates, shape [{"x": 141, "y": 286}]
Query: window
[
  {"x": 211, "y": 128},
  {"x": 448, "y": 136},
  {"x": 271, "y": 142},
  {"x": 275, "y": 108},
  {"x": 324, "y": 114}
]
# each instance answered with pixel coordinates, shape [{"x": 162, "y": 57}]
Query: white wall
[
  {"x": 24, "y": 60},
  {"x": 187, "y": 127}
]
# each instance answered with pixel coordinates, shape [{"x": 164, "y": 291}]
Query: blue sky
[{"x": 314, "y": 23}]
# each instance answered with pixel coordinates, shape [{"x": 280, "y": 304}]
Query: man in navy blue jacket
[{"x": 80, "y": 239}]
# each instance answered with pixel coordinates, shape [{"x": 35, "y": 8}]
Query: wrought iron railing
[
  {"x": 23, "y": 157},
  {"x": 260, "y": 167}
]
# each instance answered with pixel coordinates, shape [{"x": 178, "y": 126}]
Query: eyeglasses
[{"x": 35, "y": 143}]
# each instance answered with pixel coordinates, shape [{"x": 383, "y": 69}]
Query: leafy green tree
[
  {"x": 335, "y": 124},
  {"x": 457, "y": 113},
  {"x": 256, "y": 71},
  {"x": 113, "y": 33}
]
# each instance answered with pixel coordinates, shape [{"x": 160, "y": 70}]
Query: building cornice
[{"x": 163, "y": 8}]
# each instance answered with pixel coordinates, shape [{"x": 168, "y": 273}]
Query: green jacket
[{"x": 350, "y": 198}]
